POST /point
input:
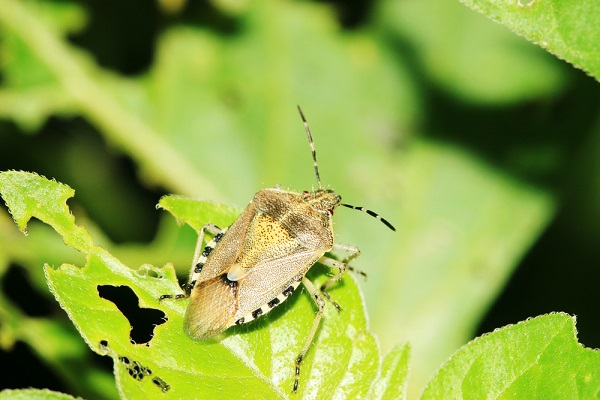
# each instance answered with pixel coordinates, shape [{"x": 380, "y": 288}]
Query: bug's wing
[
  {"x": 252, "y": 243},
  {"x": 263, "y": 288},
  {"x": 218, "y": 303},
  {"x": 229, "y": 247},
  {"x": 212, "y": 304},
  {"x": 213, "y": 298}
]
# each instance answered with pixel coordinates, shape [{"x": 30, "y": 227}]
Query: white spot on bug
[{"x": 237, "y": 272}]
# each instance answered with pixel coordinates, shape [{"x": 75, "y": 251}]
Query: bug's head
[{"x": 322, "y": 199}]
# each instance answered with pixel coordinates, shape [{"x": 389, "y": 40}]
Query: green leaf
[
  {"x": 33, "y": 394},
  {"x": 393, "y": 380},
  {"x": 259, "y": 358},
  {"x": 535, "y": 359},
  {"x": 29, "y": 195},
  {"x": 469, "y": 56},
  {"x": 566, "y": 28},
  {"x": 198, "y": 213}
]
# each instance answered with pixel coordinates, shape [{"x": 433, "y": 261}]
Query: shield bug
[{"x": 255, "y": 264}]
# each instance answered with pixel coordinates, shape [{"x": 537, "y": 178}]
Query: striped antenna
[
  {"x": 312, "y": 147},
  {"x": 372, "y": 214}
]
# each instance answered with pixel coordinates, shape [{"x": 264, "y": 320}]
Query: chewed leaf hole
[
  {"x": 139, "y": 371},
  {"x": 162, "y": 385},
  {"x": 142, "y": 320},
  {"x": 149, "y": 271}
]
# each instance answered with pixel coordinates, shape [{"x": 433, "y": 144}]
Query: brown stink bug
[{"x": 252, "y": 266}]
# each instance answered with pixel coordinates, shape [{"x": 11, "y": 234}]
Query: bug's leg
[
  {"x": 353, "y": 253},
  {"x": 314, "y": 294},
  {"x": 198, "y": 261},
  {"x": 332, "y": 263},
  {"x": 342, "y": 266},
  {"x": 201, "y": 252}
]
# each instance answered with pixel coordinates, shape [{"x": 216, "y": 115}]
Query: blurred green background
[{"x": 482, "y": 148}]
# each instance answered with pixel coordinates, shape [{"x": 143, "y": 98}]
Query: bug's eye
[{"x": 330, "y": 211}]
